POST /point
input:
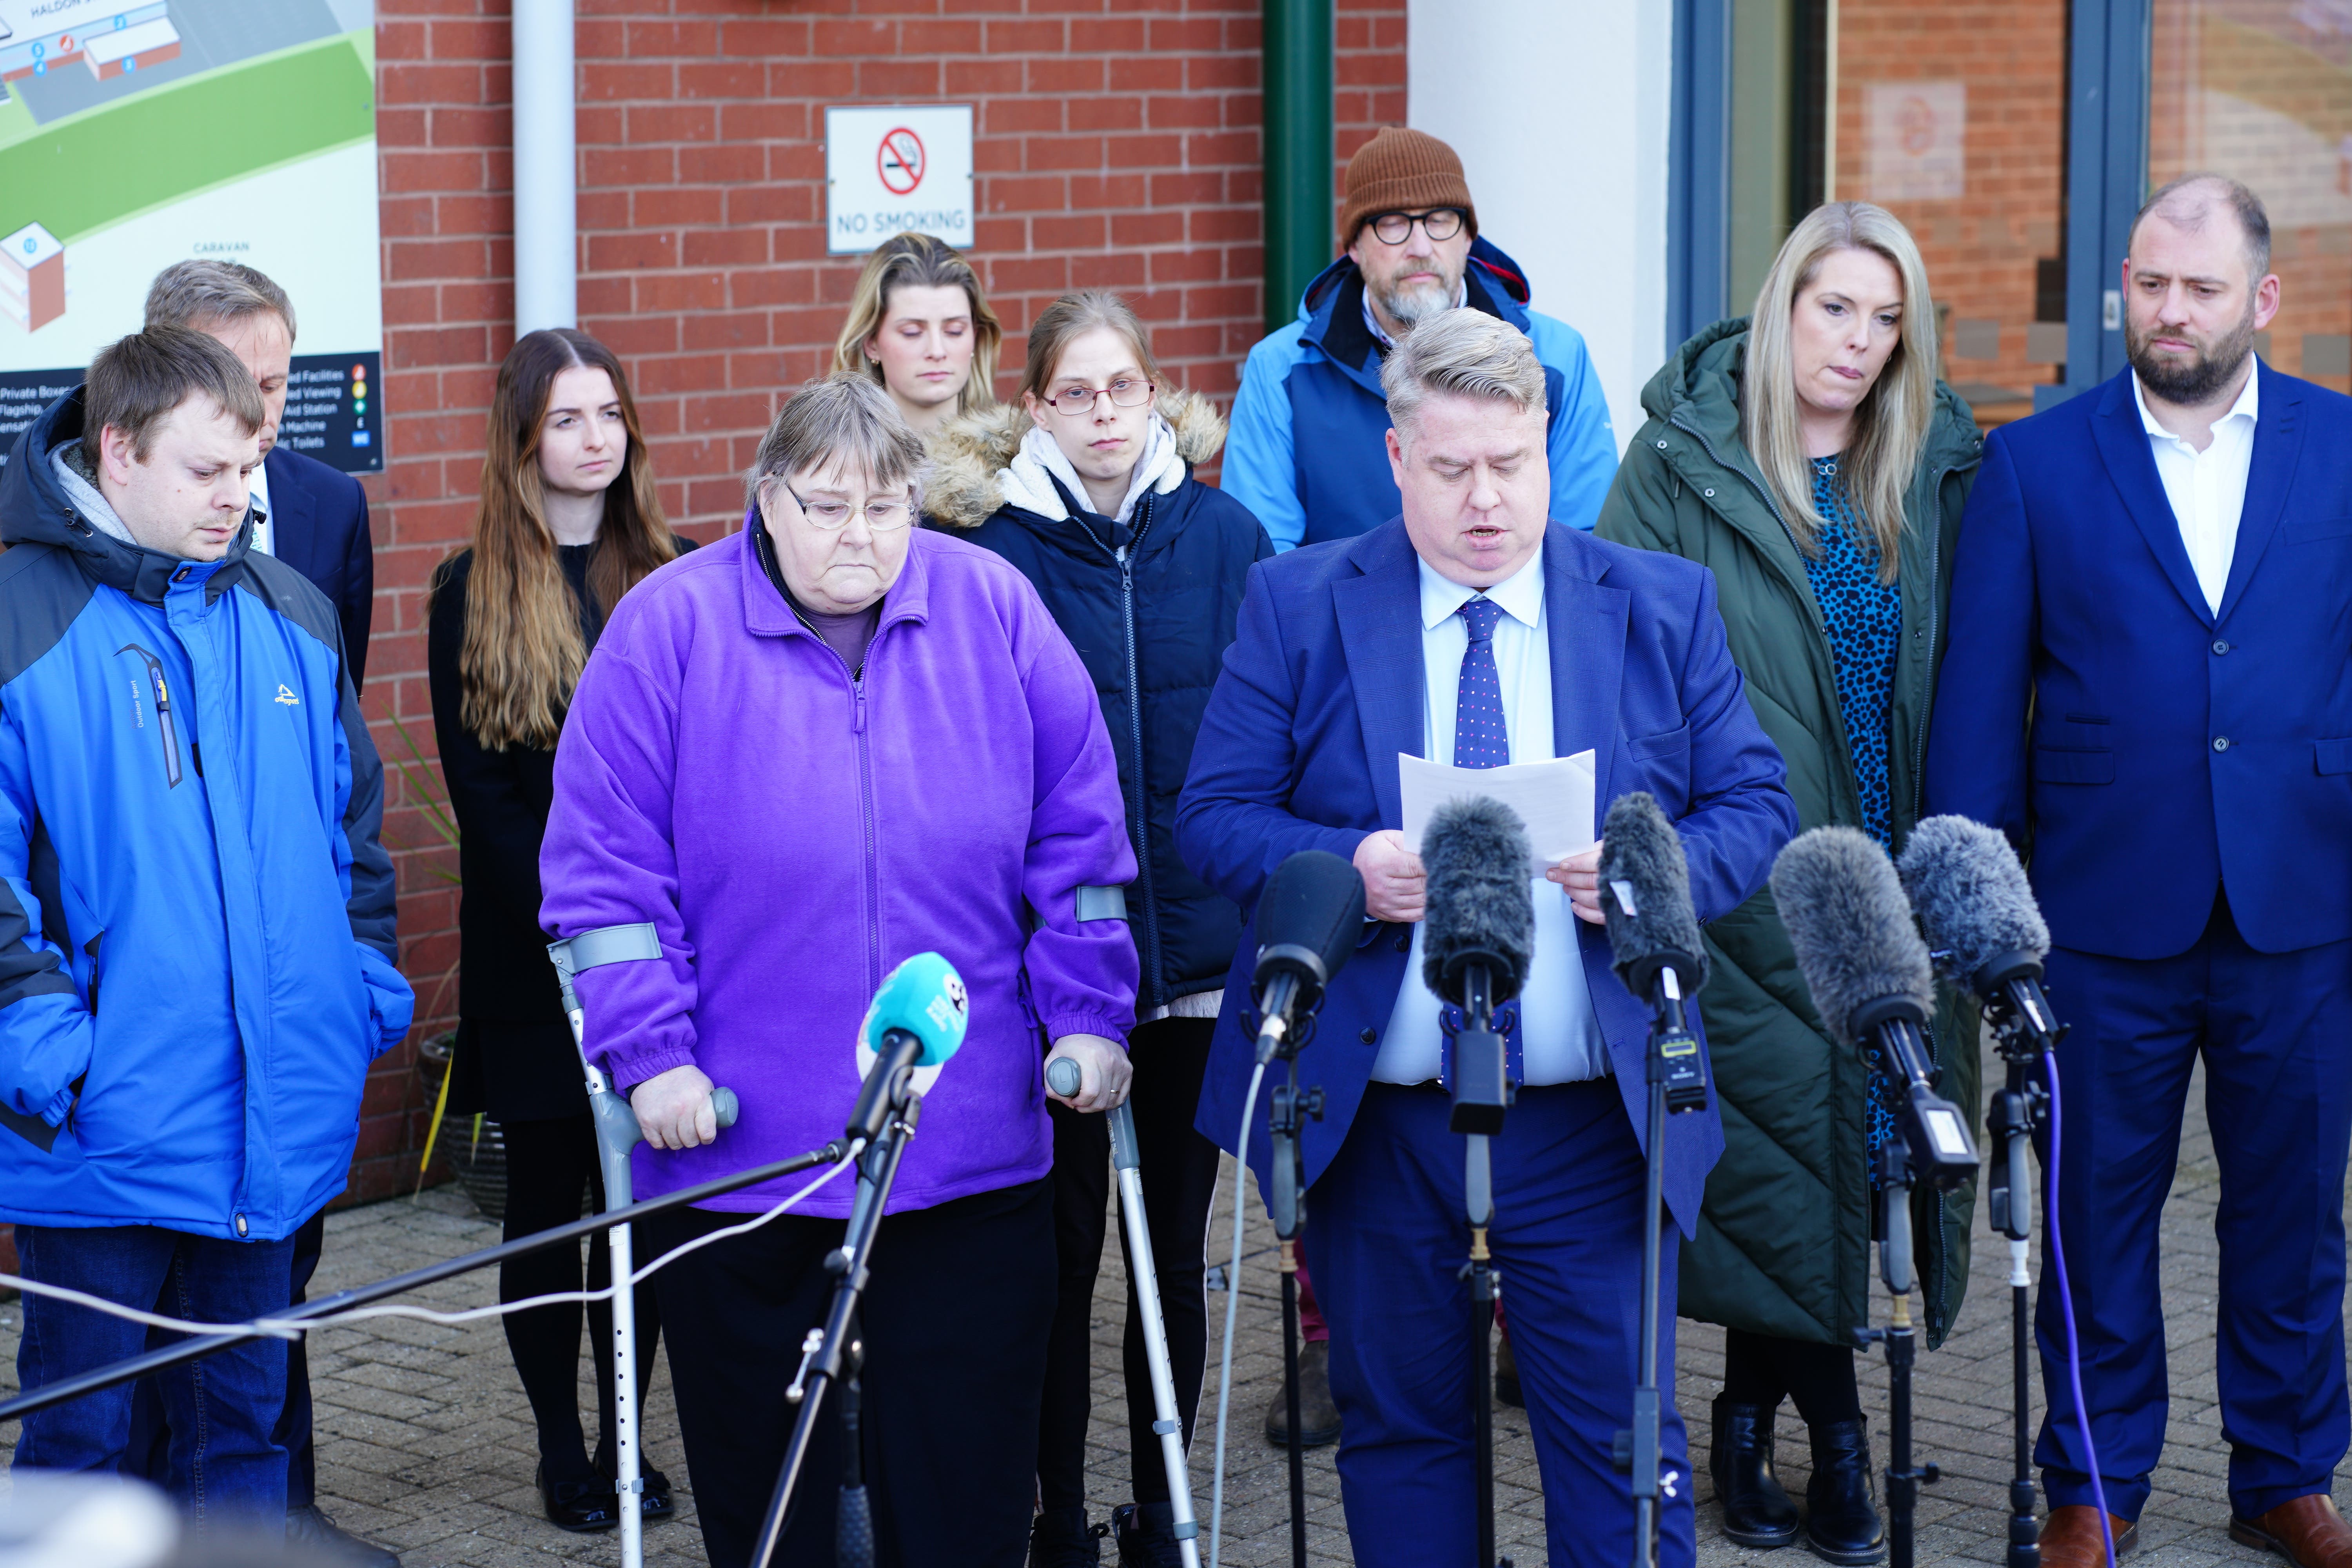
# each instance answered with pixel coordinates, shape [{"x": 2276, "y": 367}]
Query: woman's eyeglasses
[
  {"x": 1438, "y": 223},
  {"x": 832, "y": 516},
  {"x": 1126, "y": 392}
]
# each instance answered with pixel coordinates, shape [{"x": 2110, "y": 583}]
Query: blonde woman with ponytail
[
  {"x": 1810, "y": 457},
  {"x": 569, "y": 522}
]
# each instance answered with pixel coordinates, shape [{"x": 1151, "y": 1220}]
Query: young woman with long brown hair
[{"x": 569, "y": 522}]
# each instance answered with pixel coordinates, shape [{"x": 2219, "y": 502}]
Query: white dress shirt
[
  {"x": 2207, "y": 488},
  {"x": 265, "y": 537},
  {"x": 1559, "y": 1040}
]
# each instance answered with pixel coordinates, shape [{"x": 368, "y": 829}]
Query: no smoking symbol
[{"x": 902, "y": 161}]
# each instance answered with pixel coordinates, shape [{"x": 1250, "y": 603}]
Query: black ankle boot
[
  {"x": 1756, "y": 1510},
  {"x": 1145, "y": 1533},
  {"x": 1841, "y": 1522},
  {"x": 1061, "y": 1537}
]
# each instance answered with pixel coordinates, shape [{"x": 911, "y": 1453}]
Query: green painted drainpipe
[{"x": 1298, "y": 155}]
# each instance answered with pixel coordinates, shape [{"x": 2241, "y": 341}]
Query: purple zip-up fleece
[{"x": 792, "y": 833}]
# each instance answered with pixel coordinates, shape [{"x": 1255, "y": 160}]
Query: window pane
[
  {"x": 2262, "y": 90},
  {"x": 1953, "y": 117}
]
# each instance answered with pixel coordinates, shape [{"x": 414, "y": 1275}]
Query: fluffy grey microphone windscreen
[
  {"x": 1641, "y": 850},
  {"x": 1850, "y": 925},
  {"x": 1479, "y": 908},
  {"x": 1973, "y": 896}
]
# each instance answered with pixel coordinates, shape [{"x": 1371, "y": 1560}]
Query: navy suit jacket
[
  {"x": 1323, "y": 688},
  {"x": 2144, "y": 749},
  {"x": 319, "y": 526}
]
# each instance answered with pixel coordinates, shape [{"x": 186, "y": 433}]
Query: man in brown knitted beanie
[
  {"x": 1408, "y": 223},
  {"x": 1307, "y": 453}
]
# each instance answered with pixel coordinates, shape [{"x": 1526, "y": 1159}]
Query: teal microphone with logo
[{"x": 914, "y": 1025}]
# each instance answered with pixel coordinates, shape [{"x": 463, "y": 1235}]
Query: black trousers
[
  {"x": 549, "y": 1164},
  {"x": 956, "y": 1311},
  {"x": 1760, "y": 1370},
  {"x": 1179, "y": 1180}
]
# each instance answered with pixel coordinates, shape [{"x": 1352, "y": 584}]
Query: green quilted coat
[{"x": 1783, "y": 1244}]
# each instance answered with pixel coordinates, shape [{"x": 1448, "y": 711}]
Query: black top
[
  {"x": 515, "y": 1060},
  {"x": 319, "y": 526},
  {"x": 1153, "y": 632}
]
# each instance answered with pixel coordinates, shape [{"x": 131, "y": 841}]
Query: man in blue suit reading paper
[
  {"x": 1469, "y": 612},
  {"x": 2147, "y": 689}
]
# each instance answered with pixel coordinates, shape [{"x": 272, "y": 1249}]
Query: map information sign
[{"x": 134, "y": 133}]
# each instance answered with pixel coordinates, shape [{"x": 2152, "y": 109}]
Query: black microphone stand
[
  {"x": 1293, "y": 1109},
  {"x": 1481, "y": 1095},
  {"x": 1676, "y": 1084},
  {"x": 1895, "y": 1254},
  {"x": 1931, "y": 1139},
  {"x": 834, "y": 1355},
  {"x": 2024, "y": 1031}
]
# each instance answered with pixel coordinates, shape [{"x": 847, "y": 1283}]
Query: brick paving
[{"x": 425, "y": 1440}]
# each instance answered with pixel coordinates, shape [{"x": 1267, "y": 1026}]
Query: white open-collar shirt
[
  {"x": 1559, "y": 1040},
  {"x": 2207, "y": 488}
]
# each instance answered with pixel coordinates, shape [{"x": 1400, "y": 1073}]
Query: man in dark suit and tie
[
  {"x": 2148, "y": 689},
  {"x": 314, "y": 519},
  {"x": 1472, "y": 630}
]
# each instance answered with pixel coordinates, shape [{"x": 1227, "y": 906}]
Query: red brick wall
[
  {"x": 1979, "y": 248},
  {"x": 1116, "y": 145}
]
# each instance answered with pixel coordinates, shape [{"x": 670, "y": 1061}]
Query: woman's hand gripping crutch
[{"x": 616, "y": 1133}]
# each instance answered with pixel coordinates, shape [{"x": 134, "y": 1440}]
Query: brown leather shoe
[
  {"x": 2308, "y": 1532},
  {"x": 2070, "y": 1537}
]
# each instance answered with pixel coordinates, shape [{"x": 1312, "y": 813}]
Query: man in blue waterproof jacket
[
  {"x": 1308, "y": 450},
  {"x": 196, "y": 913}
]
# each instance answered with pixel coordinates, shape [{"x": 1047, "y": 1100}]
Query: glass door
[
  {"x": 2261, "y": 90},
  {"x": 1953, "y": 117}
]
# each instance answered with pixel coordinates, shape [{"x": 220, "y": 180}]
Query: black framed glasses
[
  {"x": 1438, "y": 223},
  {"x": 833, "y": 516},
  {"x": 1126, "y": 392}
]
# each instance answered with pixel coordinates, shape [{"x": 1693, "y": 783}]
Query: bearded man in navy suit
[
  {"x": 2149, "y": 690},
  {"x": 1472, "y": 614}
]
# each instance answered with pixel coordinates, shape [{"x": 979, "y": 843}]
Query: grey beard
[
  {"x": 1409, "y": 311},
  {"x": 2200, "y": 380}
]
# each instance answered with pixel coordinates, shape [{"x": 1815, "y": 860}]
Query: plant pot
[{"x": 472, "y": 1147}]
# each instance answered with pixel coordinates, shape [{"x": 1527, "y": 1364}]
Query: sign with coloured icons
[
  {"x": 100, "y": 186},
  {"x": 892, "y": 169}
]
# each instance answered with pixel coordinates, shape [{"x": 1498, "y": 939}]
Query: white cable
[
  {"x": 1232, "y": 1302},
  {"x": 294, "y": 1328},
  {"x": 152, "y": 1320}
]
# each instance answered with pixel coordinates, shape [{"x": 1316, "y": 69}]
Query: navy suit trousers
[
  {"x": 1387, "y": 1241},
  {"x": 2278, "y": 1097}
]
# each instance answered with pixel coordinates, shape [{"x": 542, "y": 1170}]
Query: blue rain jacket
[
  {"x": 196, "y": 939},
  {"x": 1308, "y": 452}
]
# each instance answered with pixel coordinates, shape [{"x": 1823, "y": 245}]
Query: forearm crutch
[
  {"x": 616, "y": 1134},
  {"x": 1144, "y": 1279}
]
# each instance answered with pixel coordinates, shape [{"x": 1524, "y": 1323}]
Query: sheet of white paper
[{"x": 1554, "y": 799}]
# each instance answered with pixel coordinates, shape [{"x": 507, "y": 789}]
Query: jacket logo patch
[{"x": 286, "y": 698}]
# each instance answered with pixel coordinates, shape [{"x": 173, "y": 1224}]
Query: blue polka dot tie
[{"x": 1480, "y": 738}]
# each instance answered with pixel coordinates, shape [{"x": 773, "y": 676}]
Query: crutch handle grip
[
  {"x": 725, "y": 1106},
  {"x": 1064, "y": 1076}
]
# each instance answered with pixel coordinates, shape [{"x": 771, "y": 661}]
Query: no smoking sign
[
  {"x": 900, "y": 162},
  {"x": 889, "y": 170}
]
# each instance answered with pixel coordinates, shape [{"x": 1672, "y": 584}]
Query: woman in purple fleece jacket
[{"x": 827, "y": 743}]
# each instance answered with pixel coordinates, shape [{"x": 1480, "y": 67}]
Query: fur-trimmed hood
[{"x": 970, "y": 454}]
